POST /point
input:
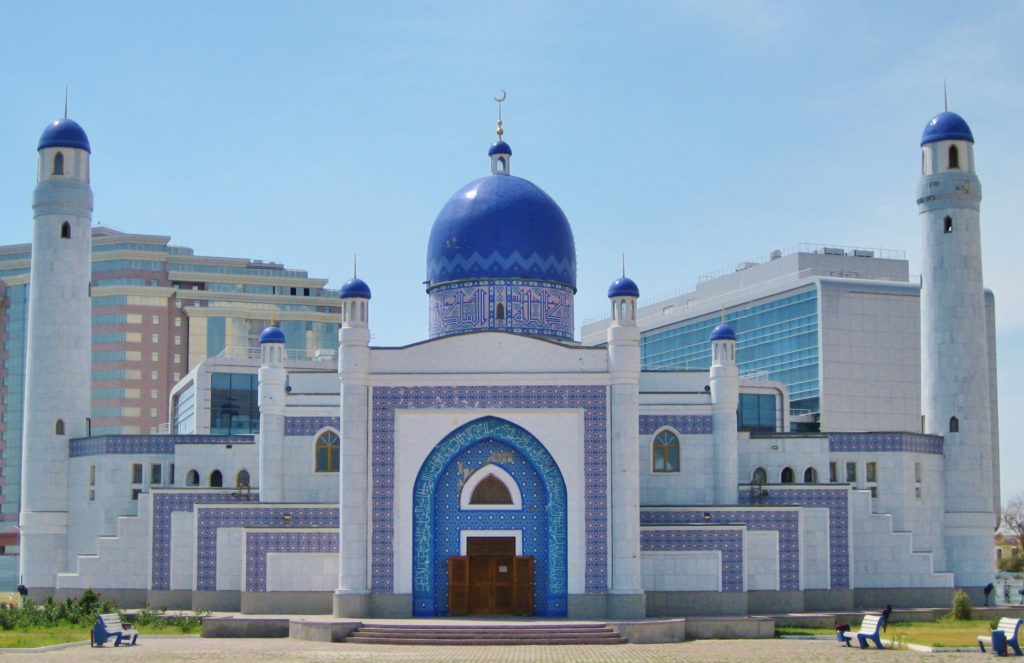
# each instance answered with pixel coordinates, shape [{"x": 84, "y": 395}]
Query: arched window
[
  {"x": 491, "y": 490},
  {"x": 954, "y": 425},
  {"x": 58, "y": 163},
  {"x": 216, "y": 479},
  {"x": 192, "y": 478},
  {"x": 954, "y": 157},
  {"x": 65, "y": 230},
  {"x": 787, "y": 475},
  {"x": 947, "y": 224},
  {"x": 499, "y": 311},
  {"x": 666, "y": 452},
  {"x": 242, "y": 480},
  {"x": 759, "y": 476},
  {"x": 810, "y": 475},
  {"x": 59, "y": 428},
  {"x": 328, "y": 452}
]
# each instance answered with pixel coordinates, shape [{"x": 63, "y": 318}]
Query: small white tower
[
  {"x": 626, "y": 594},
  {"x": 58, "y": 357},
  {"x": 272, "y": 380},
  {"x": 352, "y": 596},
  {"x": 725, "y": 399},
  {"x": 954, "y": 345}
]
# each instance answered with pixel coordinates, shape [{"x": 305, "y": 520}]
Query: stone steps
[{"x": 486, "y": 634}]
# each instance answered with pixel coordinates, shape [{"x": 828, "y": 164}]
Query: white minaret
[
  {"x": 58, "y": 358},
  {"x": 626, "y": 593},
  {"x": 725, "y": 399},
  {"x": 352, "y": 598},
  {"x": 272, "y": 380},
  {"x": 954, "y": 348}
]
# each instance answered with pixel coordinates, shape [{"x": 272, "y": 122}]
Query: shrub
[{"x": 961, "y": 605}]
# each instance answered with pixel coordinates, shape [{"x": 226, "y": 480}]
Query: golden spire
[{"x": 504, "y": 95}]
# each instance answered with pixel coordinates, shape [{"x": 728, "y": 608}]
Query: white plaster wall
[
  {"x": 761, "y": 559},
  {"x": 230, "y": 551},
  {"x": 183, "y": 550},
  {"x": 417, "y": 432},
  {"x": 205, "y": 458},
  {"x": 693, "y": 571},
  {"x": 302, "y": 482},
  {"x": 814, "y": 549},
  {"x": 121, "y": 561},
  {"x": 774, "y": 454},
  {"x": 693, "y": 484},
  {"x": 302, "y": 572}
]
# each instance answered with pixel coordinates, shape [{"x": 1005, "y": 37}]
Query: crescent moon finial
[{"x": 504, "y": 95}]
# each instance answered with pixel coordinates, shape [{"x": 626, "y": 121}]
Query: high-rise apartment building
[{"x": 158, "y": 310}]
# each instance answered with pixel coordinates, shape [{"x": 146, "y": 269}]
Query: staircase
[{"x": 470, "y": 633}]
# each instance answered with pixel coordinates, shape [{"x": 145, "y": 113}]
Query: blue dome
[
  {"x": 946, "y": 126},
  {"x": 64, "y": 133},
  {"x": 623, "y": 287},
  {"x": 355, "y": 287},
  {"x": 271, "y": 334},
  {"x": 723, "y": 332},
  {"x": 501, "y": 147},
  {"x": 501, "y": 227}
]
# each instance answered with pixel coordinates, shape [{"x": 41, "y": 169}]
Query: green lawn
[
  {"x": 943, "y": 633},
  {"x": 45, "y": 636}
]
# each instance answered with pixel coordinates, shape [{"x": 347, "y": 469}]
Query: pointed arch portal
[{"x": 438, "y": 520}]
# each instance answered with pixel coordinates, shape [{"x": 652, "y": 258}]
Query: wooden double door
[{"x": 490, "y": 579}]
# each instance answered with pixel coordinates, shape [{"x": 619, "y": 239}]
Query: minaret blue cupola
[
  {"x": 501, "y": 257},
  {"x": 354, "y": 287},
  {"x": 946, "y": 126},
  {"x": 723, "y": 332},
  {"x": 64, "y": 132},
  {"x": 272, "y": 334},
  {"x": 623, "y": 287}
]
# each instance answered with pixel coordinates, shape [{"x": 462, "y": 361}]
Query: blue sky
[{"x": 688, "y": 135}]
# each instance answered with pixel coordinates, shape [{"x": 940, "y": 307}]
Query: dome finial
[
  {"x": 945, "y": 97},
  {"x": 504, "y": 95},
  {"x": 355, "y": 266},
  {"x": 65, "y": 102},
  {"x": 623, "y": 264}
]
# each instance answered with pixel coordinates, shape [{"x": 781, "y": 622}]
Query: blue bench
[
  {"x": 870, "y": 629},
  {"x": 1005, "y": 633},
  {"x": 110, "y": 626}
]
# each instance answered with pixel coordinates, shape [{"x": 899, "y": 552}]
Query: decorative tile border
[
  {"x": 908, "y": 442},
  {"x": 438, "y": 519},
  {"x": 259, "y": 544},
  {"x": 836, "y": 500},
  {"x": 144, "y": 444},
  {"x": 213, "y": 517},
  {"x": 784, "y": 521},
  {"x": 727, "y": 541},
  {"x": 591, "y": 399},
  {"x": 694, "y": 424},
  {"x": 309, "y": 425},
  {"x": 166, "y": 502}
]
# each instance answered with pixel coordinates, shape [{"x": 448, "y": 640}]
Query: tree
[{"x": 1013, "y": 519}]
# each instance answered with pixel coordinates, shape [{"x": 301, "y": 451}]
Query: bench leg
[{"x": 982, "y": 646}]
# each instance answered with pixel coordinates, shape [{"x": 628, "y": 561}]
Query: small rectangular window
[
  {"x": 177, "y": 322},
  {"x": 155, "y": 338},
  {"x": 155, "y": 472},
  {"x": 917, "y": 472},
  {"x": 137, "y": 473},
  {"x": 135, "y": 494},
  {"x": 874, "y": 491},
  {"x": 917, "y": 491},
  {"x": 851, "y": 472},
  {"x": 170, "y": 475},
  {"x": 156, "y": 319},
  {"x": 871, "y": 471},
  {"x": 155, "y": 356},
  {"x": 833, "y": 472},
  {"x": 154, "y": 375},
  {"x": 177, "y": 340}
]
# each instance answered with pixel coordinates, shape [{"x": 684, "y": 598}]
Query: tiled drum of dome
[
  {"x": 530, "y": 307},
  {"x": 532, "y": 520}
]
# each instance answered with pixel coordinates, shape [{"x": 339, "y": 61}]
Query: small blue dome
[
  {"x": 271, "y": 334},
  {"x": 501, "y": 147},
  {"x": 501, "y": 227},
  {"x": 946, "y": 126},
  {"x": 354, "y": 287},
  {"x": 64, "y": 133},
  {"x": 723, "y": 332},
  {"x": 623, "y": 287}
]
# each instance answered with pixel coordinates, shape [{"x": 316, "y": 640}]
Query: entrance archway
[{"x": 441, "y": 522}]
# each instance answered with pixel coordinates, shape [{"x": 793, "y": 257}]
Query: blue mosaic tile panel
[
  {"x": 693, "y": 424},
  {"x": 166, "y": 502},
  {"x": 531, "y": 307},
  {"x": 785, "y": 522},
  {"x": 836, "y": 500},
  {"x": 259, "y": 544},
  {"x": 727, "y": 541},
  {"x": 213, "y": 518},
  {"x": 309, "y": 425},
  {"x": 591, "y": 399},
  {"x": 910, "y": 442},
  {"x": 144, "y": 444},
  {"x": 438, "y": 520}
]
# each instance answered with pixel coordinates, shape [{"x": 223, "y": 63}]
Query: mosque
[{"x": 499, "y": 466}]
